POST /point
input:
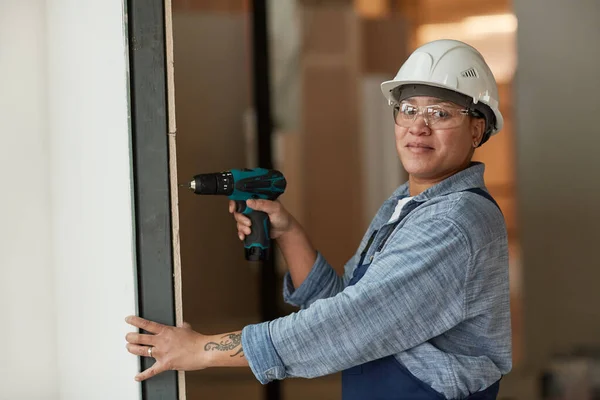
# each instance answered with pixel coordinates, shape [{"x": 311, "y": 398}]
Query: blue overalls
[{"x": 386, "y": 378}]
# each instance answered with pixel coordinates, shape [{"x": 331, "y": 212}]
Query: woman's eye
[
  {"x": 407, "y": 110},
  {"x": 442, "y": 114}
]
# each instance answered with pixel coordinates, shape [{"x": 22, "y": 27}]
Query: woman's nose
[{"x": 419, "y": 127}]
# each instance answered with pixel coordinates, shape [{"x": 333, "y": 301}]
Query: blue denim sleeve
[
  {"x": 413, "y": 291},
  {"x": 260, "y": 353},
  {"x": 321, "y": 282}
]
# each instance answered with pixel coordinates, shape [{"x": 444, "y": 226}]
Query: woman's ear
[{"x": 477, "y": 130}]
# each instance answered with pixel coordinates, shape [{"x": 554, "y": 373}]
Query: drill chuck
[{"x": 215, "y": 183}]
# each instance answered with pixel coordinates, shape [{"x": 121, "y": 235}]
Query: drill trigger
[{"x": 240, "y": 206}]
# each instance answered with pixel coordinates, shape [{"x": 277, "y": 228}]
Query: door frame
[{"x": 149, "y": 97}]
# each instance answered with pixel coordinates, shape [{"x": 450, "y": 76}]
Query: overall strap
[{"x": 485, "y": 194}]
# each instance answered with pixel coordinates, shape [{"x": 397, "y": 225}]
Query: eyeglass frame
[{"x": 396, "y": 108}]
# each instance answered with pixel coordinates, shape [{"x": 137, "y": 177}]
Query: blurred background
[
  {"x": 69, "y": 216},
  {"x": 333, "y": 139}
]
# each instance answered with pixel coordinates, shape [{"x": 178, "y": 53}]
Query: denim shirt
[{"x": 436, "y": 296}]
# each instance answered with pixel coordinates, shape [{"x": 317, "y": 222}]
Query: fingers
[
  {"x": 156, "y": 369},
  {"x": 243, "y": 222},
  {"x": 245, "y": 229},
  {"x": 242, "y": 219},
  {"x": 141, "y": 351},
  {"x": 149, "y": 326},
  {"x": 267, "y": 206},
  {"x": 138, "y": 338}
]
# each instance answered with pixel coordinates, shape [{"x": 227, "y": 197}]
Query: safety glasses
[{"x": 440, "y": 116}]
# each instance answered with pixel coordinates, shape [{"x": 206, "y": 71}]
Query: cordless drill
[{"x": 241, "y": 185}]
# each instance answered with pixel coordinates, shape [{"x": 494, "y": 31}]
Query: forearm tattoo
[{"x": 233, "y": 341}]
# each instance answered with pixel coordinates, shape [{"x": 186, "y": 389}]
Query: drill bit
[{"x": 190, "y": 185}]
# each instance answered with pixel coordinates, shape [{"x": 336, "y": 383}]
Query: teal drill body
[{"x": 241, "y": 185}]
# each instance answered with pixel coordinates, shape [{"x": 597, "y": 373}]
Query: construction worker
[{"x": 422, "y": 310}]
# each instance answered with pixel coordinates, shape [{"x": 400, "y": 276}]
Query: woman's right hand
[{"x": 281, "y": 220}]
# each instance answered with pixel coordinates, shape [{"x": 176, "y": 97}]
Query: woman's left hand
[{"x": 173, "y": 348}]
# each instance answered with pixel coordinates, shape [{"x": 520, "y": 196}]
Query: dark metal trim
[{"x": 152, "y": 204}]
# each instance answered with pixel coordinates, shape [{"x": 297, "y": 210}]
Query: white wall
[
  {"x": 91, "y": 198},
  {"x": 27, "y": 303},
  {"x": 67, "y": 279}
]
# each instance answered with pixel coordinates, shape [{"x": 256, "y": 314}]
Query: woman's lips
[{"x": 419, "y": 148}]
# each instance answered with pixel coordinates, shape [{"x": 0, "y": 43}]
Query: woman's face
[{"x": 432, "y": 151}]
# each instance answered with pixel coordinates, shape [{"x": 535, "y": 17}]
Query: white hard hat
[{"x": 449, "y": 65}]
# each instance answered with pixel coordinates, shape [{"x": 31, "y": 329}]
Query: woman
[{"x": 422, "y": 311}]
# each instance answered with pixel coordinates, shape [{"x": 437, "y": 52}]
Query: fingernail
[{"x": 241, "y": 237}]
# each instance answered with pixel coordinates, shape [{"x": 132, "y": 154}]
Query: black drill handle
[{"x": 257, "y": 243}]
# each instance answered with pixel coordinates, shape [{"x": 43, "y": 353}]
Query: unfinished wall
[
  {"x": 558, "y": 141},
  {"x": 332, "y": 158},
  {"x": 384, "y": 47},
  {"x": 212, "y": 94},
  {"x": 558, "y": 172}
]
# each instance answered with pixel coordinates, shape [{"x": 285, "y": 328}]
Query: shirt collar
[{"x": 471, "y": 177}]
